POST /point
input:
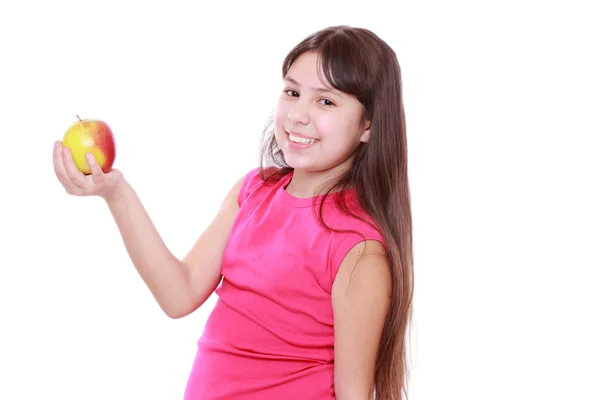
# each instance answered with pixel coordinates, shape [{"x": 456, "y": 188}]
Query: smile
[{"x": 301, "y": 140}]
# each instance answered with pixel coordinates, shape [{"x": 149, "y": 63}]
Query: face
[{"x": 317, "y": 127}]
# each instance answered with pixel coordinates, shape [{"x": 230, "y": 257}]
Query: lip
[
  {"x": 298, "y": 145},
  {"x": 298, "y": 134}
]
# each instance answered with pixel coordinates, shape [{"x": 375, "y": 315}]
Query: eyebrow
[{"x": 315, "y": 89}]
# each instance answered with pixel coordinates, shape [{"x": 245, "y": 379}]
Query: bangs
[
  {"x": 345, "y": 68},
  {"x": 343, "y": 65}
]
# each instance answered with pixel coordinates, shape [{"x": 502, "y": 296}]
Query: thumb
[{"x": 94, "y": 166}]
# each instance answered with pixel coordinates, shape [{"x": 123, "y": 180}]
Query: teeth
[{"x": 302, "y": 140}]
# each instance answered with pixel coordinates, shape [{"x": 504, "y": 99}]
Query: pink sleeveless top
[{"x": 270, "y": 335}]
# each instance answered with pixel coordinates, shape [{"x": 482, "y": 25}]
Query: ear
[{"x": 366, "y": 135}]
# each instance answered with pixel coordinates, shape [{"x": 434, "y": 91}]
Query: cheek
[
  {"x": 330, "y": 126},
  {"x": 338, "y": 131},
  {"x": 281, "y": 112},
  {"x": 279, "y": 122}
]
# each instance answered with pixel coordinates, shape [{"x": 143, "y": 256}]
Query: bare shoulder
[
  {"x": 231, "y": 199},
  {"x": 361, "y": 296},
  {"x": 364, "y": 267}
]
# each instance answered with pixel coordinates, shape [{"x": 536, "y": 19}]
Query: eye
[
  {"x": 291, "y": 92},
  {"x": 327, "y": 102}
]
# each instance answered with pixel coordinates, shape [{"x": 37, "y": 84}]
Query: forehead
[{"x": 306, "y": 71}]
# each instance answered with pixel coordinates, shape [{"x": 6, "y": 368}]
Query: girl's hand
[{"x": 76, "y": 183}]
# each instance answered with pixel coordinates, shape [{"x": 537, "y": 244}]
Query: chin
[{"x": 297, "y": 162}]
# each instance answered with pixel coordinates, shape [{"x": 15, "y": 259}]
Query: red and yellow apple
[{"x": 91, "y": 136}]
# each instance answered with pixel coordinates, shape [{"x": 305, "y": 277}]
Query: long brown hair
[{"x": 358, "y": 62}]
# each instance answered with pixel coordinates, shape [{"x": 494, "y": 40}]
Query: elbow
[
  {"x": 176, "y": 311},
  {"x": 176, "y": 305},
  {"x": 173, "y": 314}
]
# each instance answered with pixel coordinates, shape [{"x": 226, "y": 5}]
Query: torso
[{"x": 270, "y": 335}]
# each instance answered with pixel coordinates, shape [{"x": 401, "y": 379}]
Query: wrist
[{"x": 118, "y": 193}]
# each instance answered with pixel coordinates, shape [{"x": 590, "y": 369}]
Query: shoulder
[
  {"x": 353, "y": 227},
  {"x": 352, "y": 233},
  {"x": 366, "y": 265},
  {"x": 248, "y": 183},
  {"x": 258, "y": 178}
]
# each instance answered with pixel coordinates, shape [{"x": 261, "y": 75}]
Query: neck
[{"x": 313, "y": 183}]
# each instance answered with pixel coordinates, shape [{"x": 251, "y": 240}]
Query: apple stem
[{"x": 78, "y": 117}]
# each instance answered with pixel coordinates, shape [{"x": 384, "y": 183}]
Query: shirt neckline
[{"x": 302, "y": 202}]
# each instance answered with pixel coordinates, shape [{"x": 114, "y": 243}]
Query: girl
[{"x": 310, "y": 254}]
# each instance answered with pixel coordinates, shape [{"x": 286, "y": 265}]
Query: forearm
[{"x": 167, "y": 277}]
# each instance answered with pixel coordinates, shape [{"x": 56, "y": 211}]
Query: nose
[{"x": 299, "y": 113}]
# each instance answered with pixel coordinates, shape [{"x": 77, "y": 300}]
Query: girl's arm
[
  {"x": 179, "y": 286},
  {"x": 360, "y": 298}
]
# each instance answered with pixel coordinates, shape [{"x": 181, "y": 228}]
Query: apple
[{"x": 91, "y": 136}]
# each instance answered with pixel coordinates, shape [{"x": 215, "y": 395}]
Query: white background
[{"x": 502, "y": 103}]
